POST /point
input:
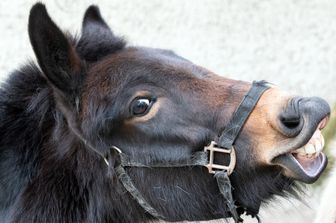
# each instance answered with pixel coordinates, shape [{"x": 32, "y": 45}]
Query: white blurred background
[{"x": 289, "y": 43}]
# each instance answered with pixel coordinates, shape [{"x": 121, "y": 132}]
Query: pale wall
[{"x": 290, "y": 43}]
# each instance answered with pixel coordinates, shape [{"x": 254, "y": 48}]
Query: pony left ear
[
  {"x": 55, "y": 54},
  {"x": 97, "y": 39}
]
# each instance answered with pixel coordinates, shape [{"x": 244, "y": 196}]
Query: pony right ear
[
  {"x": 55, "y": 54},
  {"x": 97, "y": 39}
]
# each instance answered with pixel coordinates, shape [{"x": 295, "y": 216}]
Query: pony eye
[{"x": 141, "y": 106}]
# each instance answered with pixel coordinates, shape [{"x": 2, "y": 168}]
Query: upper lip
[{"x": 291, "y": 144}]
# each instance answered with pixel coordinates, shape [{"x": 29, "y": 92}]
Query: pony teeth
[{"x": 313, "y": 148}]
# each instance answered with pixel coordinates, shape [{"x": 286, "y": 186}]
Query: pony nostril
[
  {"x": 291, "y": 119},
  {"x": 290, "y": 122}
]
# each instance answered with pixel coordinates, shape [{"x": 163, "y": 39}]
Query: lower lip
[
  {"x": 312, "y": 167},
  {"x": 293, "y": 169}
]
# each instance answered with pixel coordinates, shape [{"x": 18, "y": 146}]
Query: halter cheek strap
[
  {"x": 245, "y": 108},
  {"x": 224, "y": 144},
  {"x": 227, "y": 140}
]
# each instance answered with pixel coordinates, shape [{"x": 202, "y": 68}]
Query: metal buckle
[{"x": 212, "y": 148}]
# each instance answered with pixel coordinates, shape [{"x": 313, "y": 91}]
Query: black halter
[{"x": 224, "y": 144}]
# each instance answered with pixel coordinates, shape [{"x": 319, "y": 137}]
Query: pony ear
[
  {"x": 97, "y": 39},
  {"x": 56, "y": 56}
]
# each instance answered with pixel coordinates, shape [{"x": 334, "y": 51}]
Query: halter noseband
[{"x": 224, "y": 144}]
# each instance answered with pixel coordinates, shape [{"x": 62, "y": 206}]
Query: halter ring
[{"x": 116, "y": 149}]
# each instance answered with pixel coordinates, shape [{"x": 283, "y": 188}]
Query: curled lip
[
  {"x": 293, "y": 169},
  {"x": 291, "y": 166}
]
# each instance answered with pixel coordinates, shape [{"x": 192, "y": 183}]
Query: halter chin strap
[{"x": 224, "y": 144}]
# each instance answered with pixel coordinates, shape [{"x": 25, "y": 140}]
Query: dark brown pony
[{"x": 94, "y": 92}]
